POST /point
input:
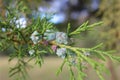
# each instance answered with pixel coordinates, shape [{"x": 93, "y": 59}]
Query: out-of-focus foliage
[
  {"x": 110, "y": 14},
  {"x": 64, "y": 10}
]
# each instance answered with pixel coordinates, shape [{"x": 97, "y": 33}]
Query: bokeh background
[{"x": 75, "y": 12}]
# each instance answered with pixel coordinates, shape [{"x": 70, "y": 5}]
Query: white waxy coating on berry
[
  {"x": 61, "y": 38},
  {"x": 61, "y": 52},
  {"x": 34, "y": 37},
  {"x": 3, "y": 29},
  {"x": 21, "y": 22},
  {"x": 31, "y": 52},
  {"x": 49, "y": 35}
]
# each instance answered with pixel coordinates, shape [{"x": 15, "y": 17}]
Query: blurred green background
[{"x": 76, "y": 12}]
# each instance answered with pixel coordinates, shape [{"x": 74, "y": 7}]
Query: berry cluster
[
  {"x": 59, "y": 38},
  {"x": 48, "y": 36}
]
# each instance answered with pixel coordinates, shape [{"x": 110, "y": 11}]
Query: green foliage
[
  {"x": 29, "y": 41},
  {"x": 84, "y": 27}
]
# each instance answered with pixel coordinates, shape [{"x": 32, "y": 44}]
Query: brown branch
[
  {"x": 2, "y": 8},
  {"x": 112, "y": 71}
]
